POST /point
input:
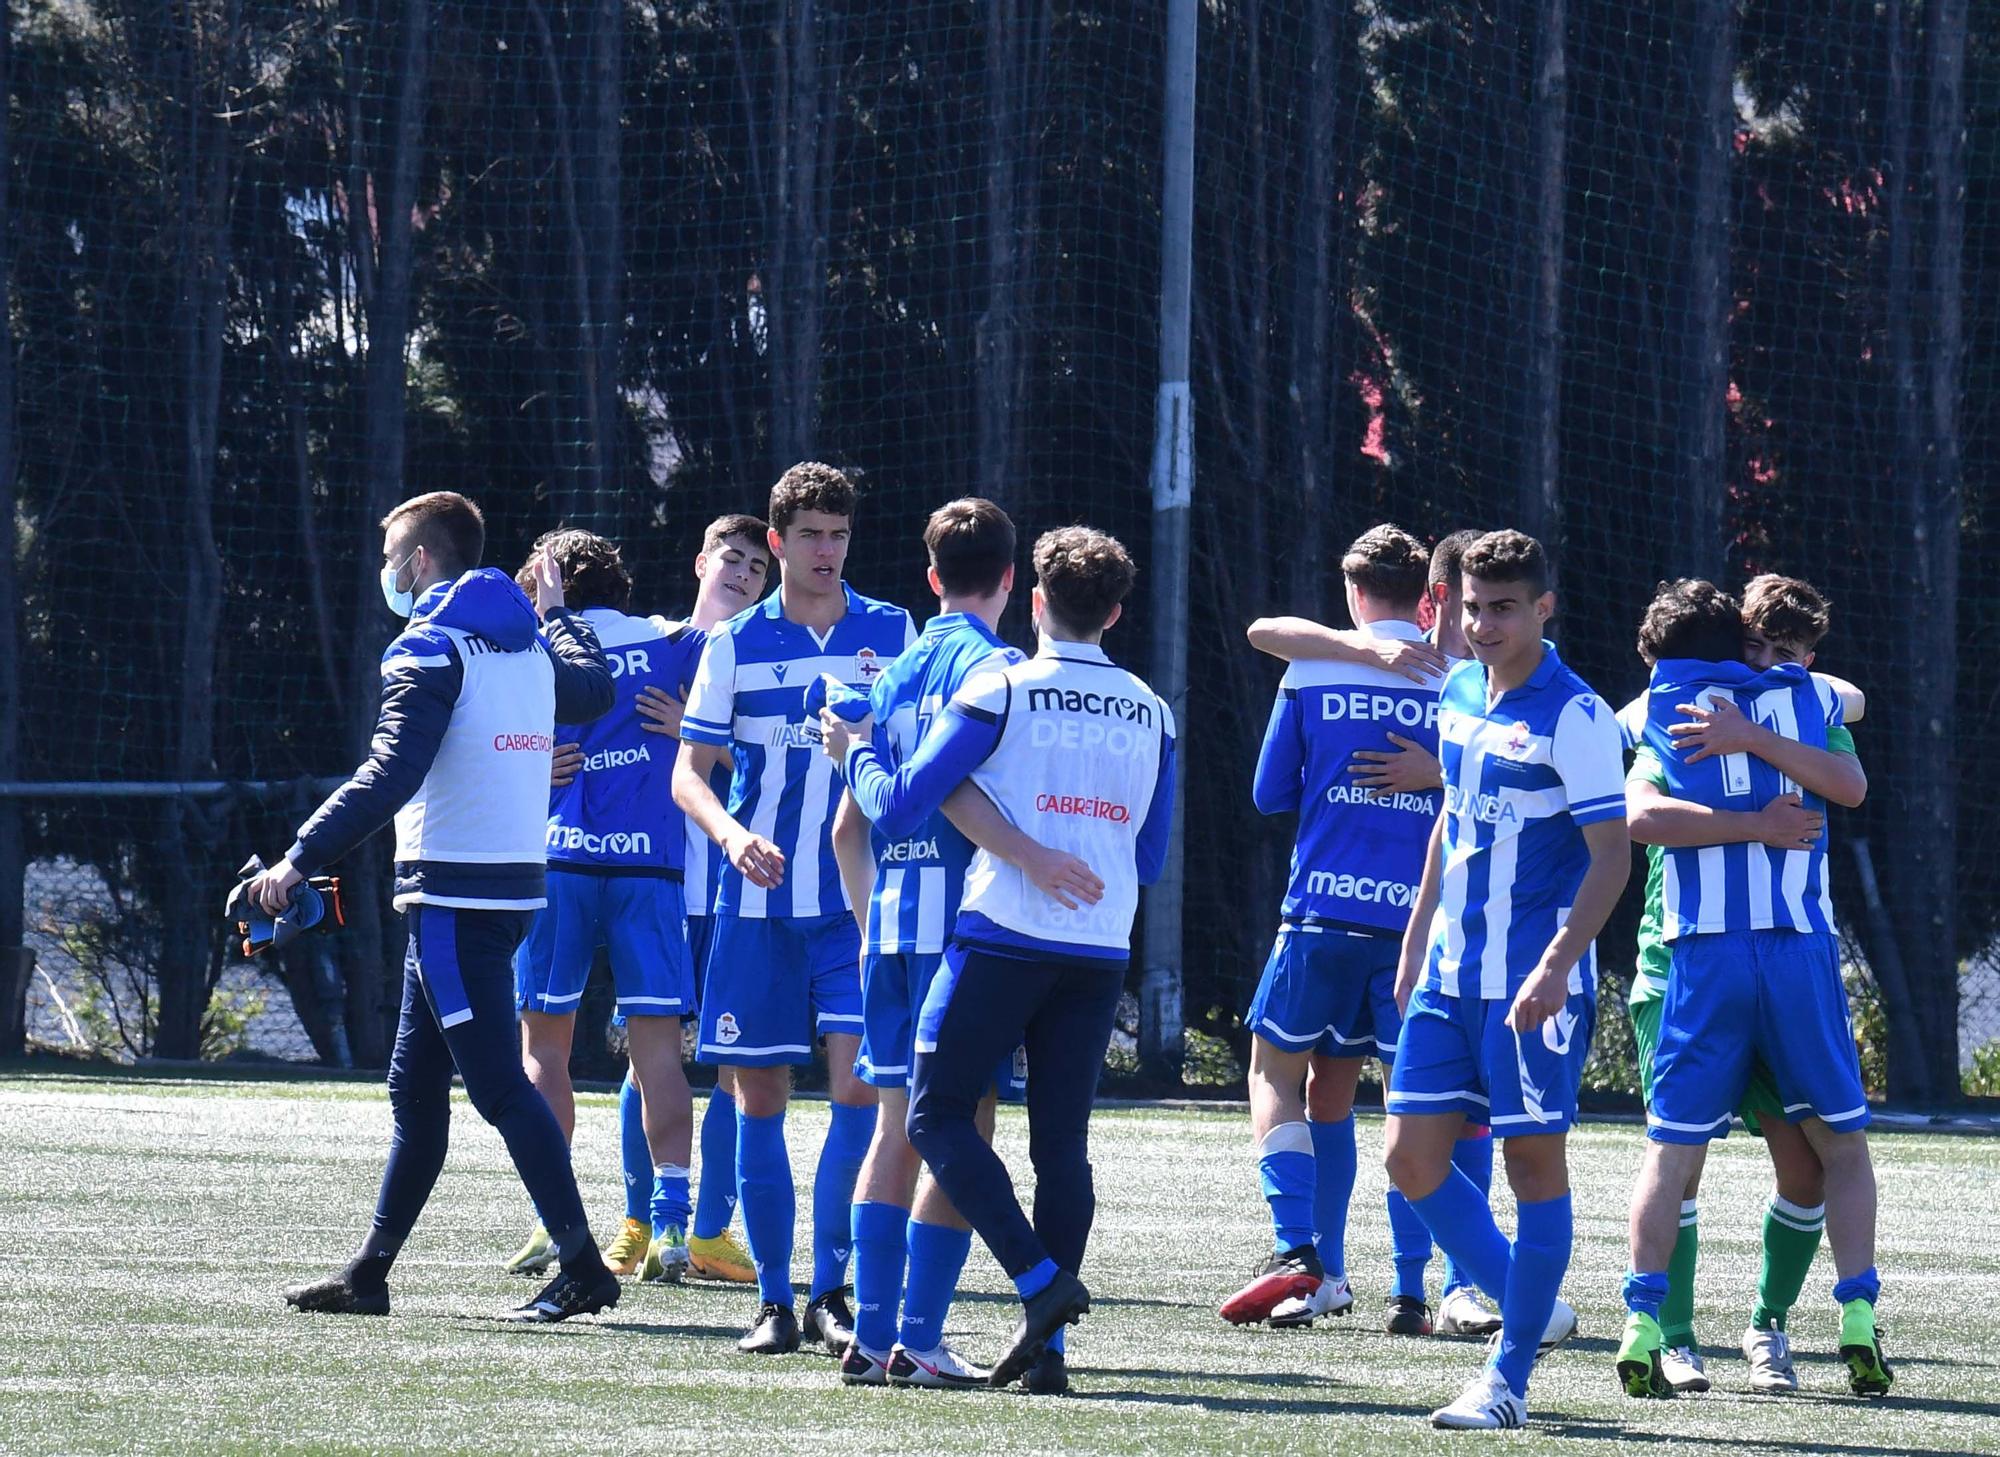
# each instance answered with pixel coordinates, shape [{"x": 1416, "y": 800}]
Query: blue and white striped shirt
[
  {"x": 749, "y": 697},
  {"x": 1521, "y": 780},
  {"x": 1744, "y": 887}
]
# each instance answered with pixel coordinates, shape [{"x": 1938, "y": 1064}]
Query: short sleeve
[
  {"x": 1647, "y": 769},
  {"x": 1632, "y": 720},
  {"x": 1840, "y": 740},
  {"x": 1829, "y": 701},
  {"x": 710, "y": 715},
  {"x": 1588, "y": 753}
]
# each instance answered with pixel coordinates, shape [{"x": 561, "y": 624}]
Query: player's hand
[
  {"x": 660, "y": 710},
  {"x": 837, "y": 736},
  {"x": 272, "y": 889},
  {"x": 1723, "y": 729},
  {"x": 566, "y": 764},
  {"x": 547, "y": 577},
  {"x": 1786, "y": 824},
  {"x": 1420, "y": 662},
  {"x": 1542, "y": 996},
  {"x": 762, "y": 863},
  {"x": 1408, "y": 769},
  {"x": 1063, "y": 878}
]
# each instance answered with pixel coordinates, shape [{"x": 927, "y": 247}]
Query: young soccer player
[
  {"x": 1754, "y": 976},
  {"x": 908, "y": 877},
  {"x": 1409, "y": 768},
  {"x": 785, "y": 954},
  {"x": 1077, "y": 754},
  {"x": 1498, "y": 972}
]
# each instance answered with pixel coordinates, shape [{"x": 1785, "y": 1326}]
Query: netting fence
[{"x": 1696, "y": 287}]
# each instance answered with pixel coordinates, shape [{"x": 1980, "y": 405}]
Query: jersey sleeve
[
  {"x": 1156, "y": 833},
  {"x": 1647, "y": 769},
  {"x": 899, "y": 799},
  {"x": 1632, "y": 719},
  {"x": 1279, "y": 784},
  {"x": 1829, "y": 701},
  {"x": 710, "y": 715},
  {"x": 1840, "y": 740},
  {"x": 1588, "y": 754}
]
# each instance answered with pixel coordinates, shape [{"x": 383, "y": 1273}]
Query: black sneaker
[
  {"x": 1049, "y": 1376},
  {"x": 569, "y": 1295},
  {"x": 776, "y": 1332},
  {"x": 1287, "y": 1275},
  {"x": 336, "y": 1295},
  {"x": 830, "y": 1322},
  {"x": 1406, "y": 1316},
  {"x": 1063, "y": 1301}
]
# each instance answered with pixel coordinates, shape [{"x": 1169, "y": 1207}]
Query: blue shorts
[
  {"x": 639, "y": 919},
  {"x": 700, "y": 933},
  {"x": 771, "y": 981},
  {"x": 1458, "y": 1055},
  {"x": 1329, "y": 991},
  {"x": 1734, "y": 997},
  {"x": 893, "y": 988}
]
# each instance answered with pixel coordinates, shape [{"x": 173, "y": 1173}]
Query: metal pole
[{"x": 1161, "y": 1020}]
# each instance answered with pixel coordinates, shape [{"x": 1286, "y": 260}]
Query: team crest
[
  {"x": 726, "y": 1030},
  {"x": 869, "y": 665},
  {"x": 1517, "y": 739}
]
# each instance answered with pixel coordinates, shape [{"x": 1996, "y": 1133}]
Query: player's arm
[
  {"x": 1061, "y": 877},
  {"x": 899, "y": 800},
  {"x": 852, "y": 852},
  {"x": 1296, "y": 638},
  {"x": 584, "y": 689},
  {"x": 1417, "y": 935},
  {"x": 1853, "y": 702},
  {"x": 1655, "y": 817},
  {"x": 1156, "y": 831},
  {"x": 1726, "y": 729},
  {"x": 1279, "y": 784},
  {"x": 707, "y": 734}
]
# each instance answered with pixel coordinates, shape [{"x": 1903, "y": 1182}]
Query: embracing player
[{"x": 784, "y": 956}]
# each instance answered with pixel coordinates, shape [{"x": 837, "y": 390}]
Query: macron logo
[
  {"x": 1362, "y": 888},
  {"x": 572, "y": 837},
  {"x": 778, "y": 670}
]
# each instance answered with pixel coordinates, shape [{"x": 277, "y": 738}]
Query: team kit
[{"x": 801, "y": 823}]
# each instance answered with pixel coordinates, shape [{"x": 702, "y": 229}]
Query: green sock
[
  {"x": 1677, "y": 1310},
  {"x": 1791, "y": 1239}
]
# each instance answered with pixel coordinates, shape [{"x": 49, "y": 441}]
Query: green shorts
[{"x": 1760, "y": 1095}]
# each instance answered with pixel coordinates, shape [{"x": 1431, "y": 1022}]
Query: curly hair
[
  {"x": 810, "y": 486},
  {"x": 1691, "y": 618},
  {"x": 1508, "y": 556},
  {"x": 1786, "y": 610},
  {"x": 593, "y": 571},
  {"x": 1389, "y": 564},
  {"x": 1083, "y": 574}
]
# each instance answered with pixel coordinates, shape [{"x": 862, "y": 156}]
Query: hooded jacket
[{"x": 471, "y": 692}]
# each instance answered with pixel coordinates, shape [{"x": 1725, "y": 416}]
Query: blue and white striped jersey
[
  {"x": 1521, "y": 780},
  {"x": 703, "y": 869},
  {"x": 919, "y": 876},
  {"x": 1359, "y": 854},
  {"x": 1743, "y": 887},
  {"x": 749, "y": 697}
]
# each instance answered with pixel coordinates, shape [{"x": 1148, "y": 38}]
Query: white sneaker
[
  {"x": 1682, "y": 1367},
  {"x": 938, "y": 1369},
  {"x": 1461, "y": 1314},
  {"x": 1561, "y": 1326},
  {"x": 860, "y": 1366},
  {"x": 1486, "y": 1405},
  {"x": 1333, "y": 1297},
  {"x": 1769, "y": 1353}
]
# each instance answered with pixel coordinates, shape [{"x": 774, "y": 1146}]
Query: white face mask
[{"x": 402, "y": 603}]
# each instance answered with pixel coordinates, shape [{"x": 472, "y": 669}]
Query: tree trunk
[
  {"x": 1541, "y": 502},
  {"x": 795, "y": 282},
  {"x": 387, "y": 171},
  {"x": 1697, "y": 541},
  {"x": 606, "y": 258},
  {"x": 13, "y": 850},
  {"x": 1318, "y": 273}
]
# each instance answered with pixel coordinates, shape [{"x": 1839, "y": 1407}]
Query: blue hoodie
[{"x": 471, "y": 692}]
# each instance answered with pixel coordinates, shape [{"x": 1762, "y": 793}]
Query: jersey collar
[
  {"x": 1396, "y": 628},
  {"x": 1072, "y": 652}
]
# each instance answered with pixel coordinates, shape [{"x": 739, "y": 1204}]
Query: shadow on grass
[{"x": 1555, "y": 1425}]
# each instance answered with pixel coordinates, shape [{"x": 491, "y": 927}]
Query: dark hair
[
  {"x": 1389, "y": 564},
  {"x": 751, "y": 528},
  {"x": 1786, "y": 610},
  {"x": 593, "y": 571},
  {"x": 1508, "y": 556},
  {"x": 445, "y": 524},
  {"x": 1083, "y": 574},
  {"x": 810, "y": 486},
  {"x": 1448, "y": 557},
  {"x": 971, "y": 543},
  {"x": 1691, "y": 618}
]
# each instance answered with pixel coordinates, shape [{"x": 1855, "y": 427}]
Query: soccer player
[
  {"x": 784, "y": 955},
  {"x": 1077, "y": 754},
  {"x": 1755, "y": 970},
  {"x": 905, "y": 879},
  {"x": 616, "y": 847},
  {"x": 1409, "y": 768},
  {"x": 1498, "y": 976},
  {"x": 471, "y": 692}
]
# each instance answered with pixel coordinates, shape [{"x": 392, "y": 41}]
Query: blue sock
[
  {"x": 1285, "y": 1168},
  {"x": 669, "y": 1204},
  {"x": 937, "y": 1258},
  {"x": 1541, "y": 1259},
  {"x": 1334, "y": 1169},
  {"x": 880, "y": 1233},
  {"x": 632, "y": 1150},
  {"x": 1409, "y": 1246},
  {"x": 715, "y": 1200},
  {"x": 1035, "y": 1281},
  {"x": 1865, "y": 1286},
  {"x": 1472, "y": 1157},
  {"x": 1645, "y": 1294},
  {"x": 1462, "y": 1223},
  {"x": 840, "y": 1157},
  {"x": 770, "y": 1202},
  {"x": 1057, "y": 1342}
]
